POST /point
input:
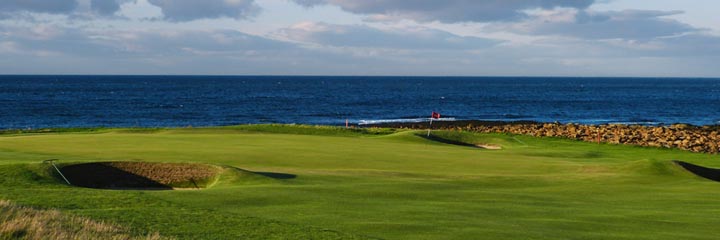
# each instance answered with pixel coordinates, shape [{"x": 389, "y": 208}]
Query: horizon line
[{"x": 366, "y": 76}]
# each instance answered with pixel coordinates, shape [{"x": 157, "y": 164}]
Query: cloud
[
  {"x": 447, "y": 11},
  {"x": 79, "y": 42},
  {"x": 689, "y": 45},
  {"x": 210, "y": 42},
  {"x": 187, "y": 10},
  {"x": 47, "y": 48},
  {"x": 552, "y": 41},
  {"x": 628, "y": 24},
  {"x": 368, "y": 37},
  {"x": 46, "y": 40},
  {"x": 173, "y": 10},
  {"x": 58, "y": 49},
  {"x": 44, "y": 6},
  {"x": 106, "y": 7},
  {"x": 65, "y": 7}
]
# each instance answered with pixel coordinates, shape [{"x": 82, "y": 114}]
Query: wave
[
  {"x": 404, "y": 120},
  {"x": 632, "y": 121}
]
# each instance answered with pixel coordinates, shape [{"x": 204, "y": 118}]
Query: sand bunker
[
  {"x": 708, "y": 173},
  {"x": 141, "y": 175},
  {"x": 488, "y": 146}
]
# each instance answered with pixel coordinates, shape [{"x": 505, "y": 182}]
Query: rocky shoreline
[{"x": 702, "y": 139}]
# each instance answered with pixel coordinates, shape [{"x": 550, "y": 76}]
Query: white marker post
[
  {"x": 431, "y": 118},
  {"x": 52, "y": 162}
]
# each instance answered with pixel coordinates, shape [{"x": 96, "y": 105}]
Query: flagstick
[{"x": 430, "y": 127}]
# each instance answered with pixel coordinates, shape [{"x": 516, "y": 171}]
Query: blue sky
[{"x": 666, "y": 38}]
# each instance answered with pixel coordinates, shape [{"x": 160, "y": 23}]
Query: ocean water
[{"x": 178, "y": 101}]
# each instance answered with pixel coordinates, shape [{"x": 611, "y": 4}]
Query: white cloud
[
  {"x": 367, "y": 37},
  {"x": 628, "y": 24}
]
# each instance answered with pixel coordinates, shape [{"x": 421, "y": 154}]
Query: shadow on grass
[
  {"x": 275, "y": 175},
  {"x": 446, "y": 141},
  {"x": 708, "y": 173}
]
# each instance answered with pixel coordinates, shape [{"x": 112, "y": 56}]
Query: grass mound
[
  {"x": 141, "y": 175},
  {"x": 17, "y": 222}
]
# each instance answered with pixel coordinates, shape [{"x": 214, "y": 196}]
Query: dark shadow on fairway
[
  {"x": 276, "y": 175},
  {"x": 708, "y": 173},
  {"x": 273, "y": 175},
  {"x": 446, "y": 141},
  {"x": 99, "y": 175},
  {"x": 459, "y": 143}
]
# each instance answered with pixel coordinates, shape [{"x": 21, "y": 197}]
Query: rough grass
[
  {"x": 346, "y": 185},
  {"x": 17, "y": 222}
]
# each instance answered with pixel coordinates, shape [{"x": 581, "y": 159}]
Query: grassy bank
[
  {"x": 18, "y": 222},
  {"x": 303, "y": 182}
]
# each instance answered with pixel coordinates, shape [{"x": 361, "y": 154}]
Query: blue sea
[{"x": 180, "y": 101}]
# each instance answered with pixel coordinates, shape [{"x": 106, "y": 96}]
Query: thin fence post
[{"x": 52, "y": 162}]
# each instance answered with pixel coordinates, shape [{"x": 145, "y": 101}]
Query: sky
[{"x": 588, "y": 38}]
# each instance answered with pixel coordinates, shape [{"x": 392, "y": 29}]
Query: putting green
[{"x": 302, "y": 182}]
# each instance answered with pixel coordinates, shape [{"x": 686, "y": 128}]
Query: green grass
[{"x": 303, "y": 182}]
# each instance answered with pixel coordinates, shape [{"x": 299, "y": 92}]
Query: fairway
[{"x": 299, "y": 182}]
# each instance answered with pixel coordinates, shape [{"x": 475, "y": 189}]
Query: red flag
[{"x": 435, "y": 115}]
